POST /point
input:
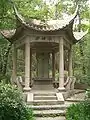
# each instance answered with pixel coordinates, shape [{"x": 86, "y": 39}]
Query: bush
[
  {"x": 80, "y": 111},
  {"x": 12, "y": 106},
  {"x": 5, "y": 78}
]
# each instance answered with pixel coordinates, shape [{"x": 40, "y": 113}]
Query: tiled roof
[
  {"x": 46, "y": 26},
  {"x": 51, "y": 25}
]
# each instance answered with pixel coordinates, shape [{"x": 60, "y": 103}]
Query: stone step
[
  {"x": 49, "y": 107},
  {"x": 46, "y": 102},
  {"x": 45, "y": 97},
  {"x": 45, "y": 94},
  {"x": 49, "y": 113},
  {"x": 50, "y": 118}
]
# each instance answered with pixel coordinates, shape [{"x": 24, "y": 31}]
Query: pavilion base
[
  {"x": 44, "y": 93},
  {"x": 26, "y": 89},
  {"x": 61, "y": 89},
  {"x": 43, "y": 84}
]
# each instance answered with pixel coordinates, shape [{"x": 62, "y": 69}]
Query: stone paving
[{"x": 78, "y": 97}]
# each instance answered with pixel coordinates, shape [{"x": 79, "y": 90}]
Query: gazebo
[{"x": 44, "y": 38}]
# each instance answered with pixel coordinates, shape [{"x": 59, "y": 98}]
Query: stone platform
[{"x": 43, "y": 84}]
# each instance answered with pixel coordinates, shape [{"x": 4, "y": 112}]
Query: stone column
[
  {"x": 14, "y": 70},
  {"x": 31, "y": 82},
  {"x": 61, "y": 65},
  {"x": 70, "y": 71},
  {"x": 53, "y": 66},
  {"x": 27, "y": 65}
]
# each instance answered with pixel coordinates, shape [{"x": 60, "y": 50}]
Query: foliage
[
  {"x": 36, "y": 9},
  {"x": 6, "y": 15},
  {"x": 11, "y": 104},
  {"x": 5, "y": 47},
  {"x": 81, "y": 64},
  {"x": 80, "y": 111},
  {"x": 5, "y": 78}
]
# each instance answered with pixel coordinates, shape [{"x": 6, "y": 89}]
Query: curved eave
[
  {"x": 46, "y": 27},
  {"x": 79, "y": 35},
  {"x": 8, "y": 34}
]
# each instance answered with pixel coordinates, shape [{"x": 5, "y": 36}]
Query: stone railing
[
  {"x": 68, "y": 84},
  {"x": 18, "y": 82}
]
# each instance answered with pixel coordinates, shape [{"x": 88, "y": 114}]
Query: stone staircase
[
  {"x": 49, "y": 98},
  {"x": 47, "y": 105}
]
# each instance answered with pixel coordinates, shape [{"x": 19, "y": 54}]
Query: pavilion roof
[
  {"x": 49, "y": 25},
  {"x": 44, "y": 26}
]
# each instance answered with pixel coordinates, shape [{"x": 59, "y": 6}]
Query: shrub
[
  {"x": 5, "y": 78},
  {"x": 80, "y": 111},
  {"x": 12, "y": 106}
]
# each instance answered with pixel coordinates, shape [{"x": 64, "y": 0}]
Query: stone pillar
[
  {"x": 70, "y": 71},
  {"x": 53, "y": 66},
  {"x": 31, "y": 82},
  {"x": 27, "y": 65},
  {"x": 14, "y": 59},
  {"x": 61, "y": 65}
]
